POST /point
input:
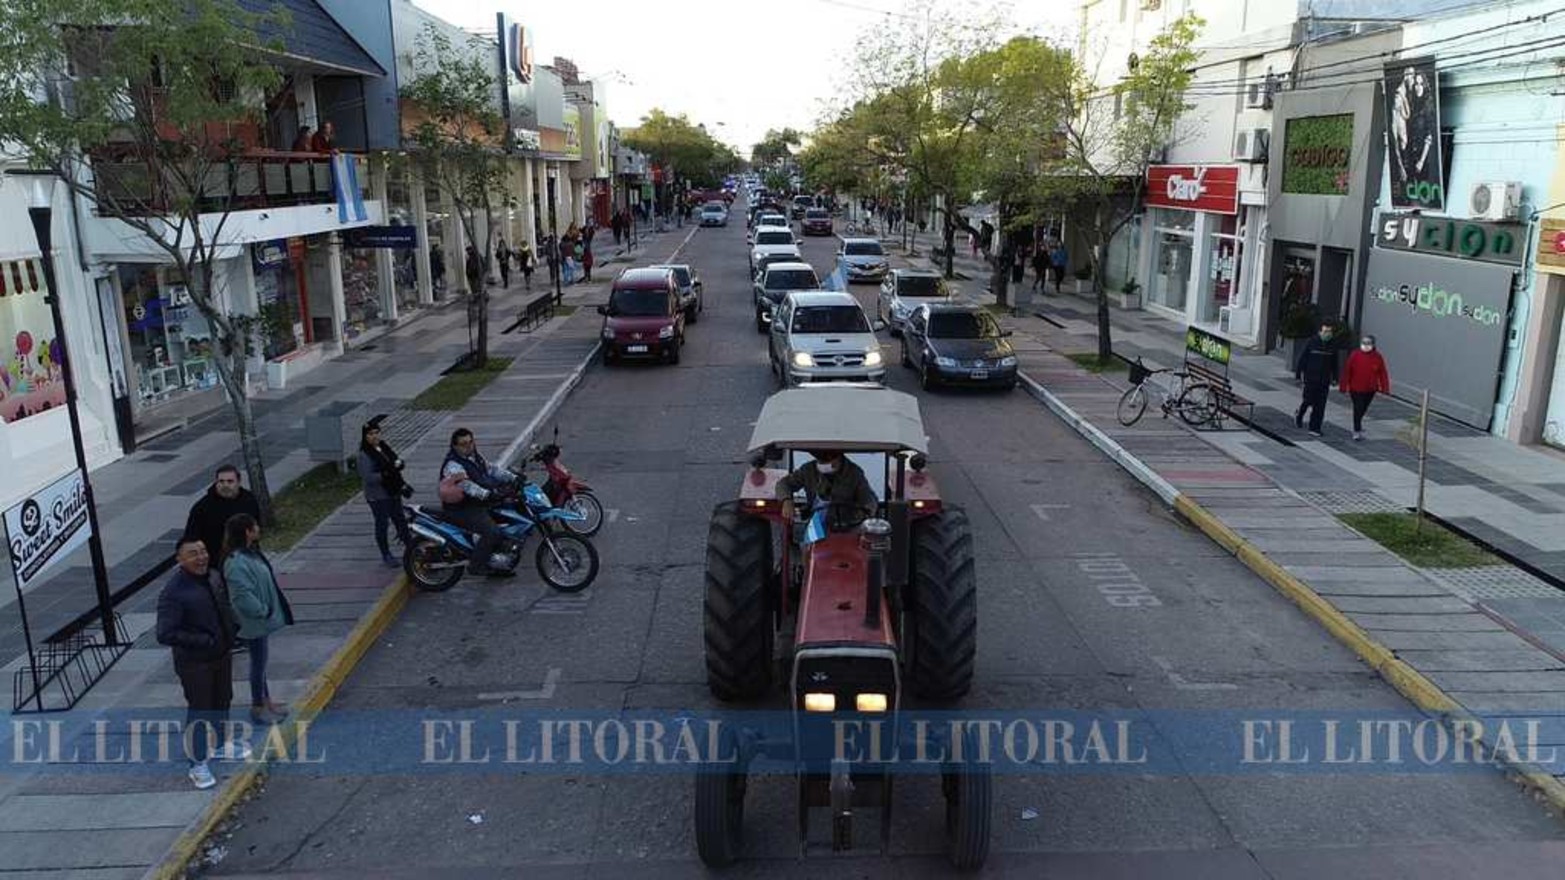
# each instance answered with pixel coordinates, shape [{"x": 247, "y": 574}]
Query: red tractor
[{"x": 850, "y": 623}]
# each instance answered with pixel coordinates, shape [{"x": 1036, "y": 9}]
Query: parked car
[
  {"x": 714, "y": 214},
  {"x": 823, "y": 336},
  {"x": 958, "y": 344},
  {"x": 769, "y": 240},
  {"x": 778, "y": 280},
  {"x": 905, "y": 290},
  {"x": 691, "y": 297},
  {"x": 643, "y": 317},
  {"x": 802, "y": 204},
  {"x": 863, "y": 259},
  {"x": 817, "y": 221}
]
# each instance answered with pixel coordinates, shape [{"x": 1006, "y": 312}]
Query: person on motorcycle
[
  {"x": 482, "y": 485},
  {"x": 831, "y": 481}
]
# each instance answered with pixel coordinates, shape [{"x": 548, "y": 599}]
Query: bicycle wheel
[
  {"x": 1131, "y": 405},
  {"x": 1197, "y": 405}
]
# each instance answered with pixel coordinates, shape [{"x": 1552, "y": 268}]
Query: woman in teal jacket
[{"x": 259, "y": 606}]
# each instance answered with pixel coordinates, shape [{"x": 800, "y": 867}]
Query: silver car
[
  {"x": 863, "y": 259},
  {"x": 905, "y": 290},
  {"x": 823, "y": 336}
]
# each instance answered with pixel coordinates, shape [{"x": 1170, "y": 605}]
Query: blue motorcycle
[{"x": 440, "y": 551}]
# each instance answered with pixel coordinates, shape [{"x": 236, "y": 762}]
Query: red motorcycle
[{"x": 567, "y": 492}]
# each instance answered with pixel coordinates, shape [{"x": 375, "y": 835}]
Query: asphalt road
[{"x": 1062, "y": 535}]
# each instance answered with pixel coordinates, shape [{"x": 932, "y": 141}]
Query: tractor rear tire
[
  {"x": 737, "y": 616},
  {"x": 719, "y": 808},
  {"x": 969, "y": 794},
  {"x": 943, "y": 612}
]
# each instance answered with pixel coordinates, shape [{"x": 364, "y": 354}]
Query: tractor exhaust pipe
[{"x": 875, "y": 538}]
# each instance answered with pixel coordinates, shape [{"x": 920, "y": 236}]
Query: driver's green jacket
[{"x": 847, "y": 492}]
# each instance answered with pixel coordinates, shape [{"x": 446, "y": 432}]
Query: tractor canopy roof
[{"x": 840, "y": 416}]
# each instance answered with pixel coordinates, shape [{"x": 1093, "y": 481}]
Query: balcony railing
[{"x": 256, "y": 180}]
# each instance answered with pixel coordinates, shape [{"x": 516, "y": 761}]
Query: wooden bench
[
  {"x": 538, "y": 310},
  {"x": 1206, "y": 362}
]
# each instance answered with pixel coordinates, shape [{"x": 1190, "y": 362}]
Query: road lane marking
[
  {"x": 1042, "y": 510},
  {"x": 550, "y": 681},
  {"x": 1184, "y": 684},
  {"x": 1115, "y": 581}
]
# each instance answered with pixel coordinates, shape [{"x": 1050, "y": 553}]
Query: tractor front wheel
[
  {"x": 969, "y": 796},
  {"x": 720, "y": 807},
  {"x": 737, "y": 615},
  {"x": 942, "y": 637}
]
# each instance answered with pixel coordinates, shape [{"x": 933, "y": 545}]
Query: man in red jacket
[{"x": 1364, "y": 376}]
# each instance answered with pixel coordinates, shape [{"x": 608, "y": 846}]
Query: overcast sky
[{"x": 740, "y": 66}]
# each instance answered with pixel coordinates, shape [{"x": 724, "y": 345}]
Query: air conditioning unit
[
  {"x": 1495, "y": 200},
  {"x": 1250, "y": 145},
  {"x": 1255, "y": 95}
]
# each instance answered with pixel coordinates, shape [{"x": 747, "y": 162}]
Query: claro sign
[{"x": 1213, "y": 188}]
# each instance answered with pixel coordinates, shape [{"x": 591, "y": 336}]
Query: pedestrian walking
[
  {"x": 1317, "y": 364},
  {"x": 551, "y": 255},
  {"x": 475, "y": 272},
  {"x": 526, "y": 261},
  {"x": 1019, "y": 266},
  {"x": 617, "y": 225},
  {"x": 380, "y": 470},
  {"x": 972, "y": 242},
  {"x": 503, "y": 256},
  {"x": 1040, "y": 268},
  {"x": 259, "y": 607},
  {"x": 1059, "y": 260},
  {"x": 224, "y": 498},
  {"x": 1363, "y": 377},
  {"x": 586, "y": 261},
  {"x": 195, "y": 622},
  {"x": 437, "y": 267}
]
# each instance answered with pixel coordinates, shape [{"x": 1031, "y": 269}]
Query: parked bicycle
[{"x": 1193, "y": 401}]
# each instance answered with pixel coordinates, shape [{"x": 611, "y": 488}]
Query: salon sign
[
  {"x": 1213, "y": 188},
  {"x": 46, "y": 526}
]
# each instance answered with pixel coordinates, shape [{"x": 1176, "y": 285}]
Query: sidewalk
[
  {"x": 1485, "y": 644},
  {"x": 61, "y": 815},
  {"x": 143, "y": 499}
]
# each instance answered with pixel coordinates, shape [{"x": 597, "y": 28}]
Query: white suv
[{"x": 823, "y": 336}]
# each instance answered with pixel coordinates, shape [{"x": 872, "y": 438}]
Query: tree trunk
[
  {"x": 1105, "y": 338},
  {"x": 949, "y": 234},
  {"x": 1000, "y": 275},
  {"x": 483, "y": 299},
  {"x": 228, "y": 358}
]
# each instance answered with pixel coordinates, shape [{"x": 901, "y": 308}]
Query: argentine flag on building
[{"x": 345, "y": 186}]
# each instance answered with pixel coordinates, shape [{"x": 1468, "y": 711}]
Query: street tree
[
  {"x": 775, "y": 147},
  {"x": 674, "y": 142},
  {"x": 453, "y": 126},
  {"x": 146, "y": 110},
  {"x": 1112, "y": 133}
]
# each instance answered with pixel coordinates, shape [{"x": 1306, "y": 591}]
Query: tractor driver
[{"x": 833, "y": 482}]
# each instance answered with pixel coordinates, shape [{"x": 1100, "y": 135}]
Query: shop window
[
  {"x": 1174, "y": 236},
  {"x": 1225, "y": 255},
  {"x": 31, "y": 378},
  {"x": 360, "y": 292},
  {"x": 170, "y": 342}
]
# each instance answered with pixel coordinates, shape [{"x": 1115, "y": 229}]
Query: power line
[
  {"x": 1375, "y": 56},
  {"x": 845, "y": 5}
]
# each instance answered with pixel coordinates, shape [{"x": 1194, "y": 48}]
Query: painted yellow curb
[
  {"x": 317, "y": 694},
  {"x": 1408, "y": 681}
]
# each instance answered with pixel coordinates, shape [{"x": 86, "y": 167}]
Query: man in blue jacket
[
  {"x": 1317, "y": 365},
  {"x": 196, "y": 623}
]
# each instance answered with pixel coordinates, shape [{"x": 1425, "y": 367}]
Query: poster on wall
[
  {"x": 1441, "y": 323},
  {"x": 31, "y": 359},
  {"x": 1416, "y": 160},
  {"x": 46, "y": 526},
  {"x": 572, "y": 133}
]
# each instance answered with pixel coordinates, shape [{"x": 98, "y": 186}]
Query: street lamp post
[
  {"x": 42, "y": 215},
  {"x": 554, "y": 235}
]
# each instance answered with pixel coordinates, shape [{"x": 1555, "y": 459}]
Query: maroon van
[{"x": 643, "y": 318}]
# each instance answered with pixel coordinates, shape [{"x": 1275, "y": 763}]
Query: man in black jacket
[
  {"x": 1317, "y": 364},
  {"x": 222, "y": 500},
  {"x": 194, "y": 620}
]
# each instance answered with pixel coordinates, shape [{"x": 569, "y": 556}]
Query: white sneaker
[
  {"x": 201, "y": 775},
  {"x": 1358, "y": 435},
  {"x": 233, "y": 750}
]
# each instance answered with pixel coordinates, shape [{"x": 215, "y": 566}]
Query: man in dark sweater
[
  {"x": 1317, "y": 365},
  {"x": 195, "y": 621},
  {"x": 224, "y": 499}
]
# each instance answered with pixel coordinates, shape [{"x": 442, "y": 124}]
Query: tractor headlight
[
  {"x": 870, "y": 702},
  {"x": 803, "y": 359},
  {"x": 820, "y": 702},
  {"x": 872, "y": 359},
  {"x": 945, "y": 362},
  {"x": 666, "y": 331}
]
